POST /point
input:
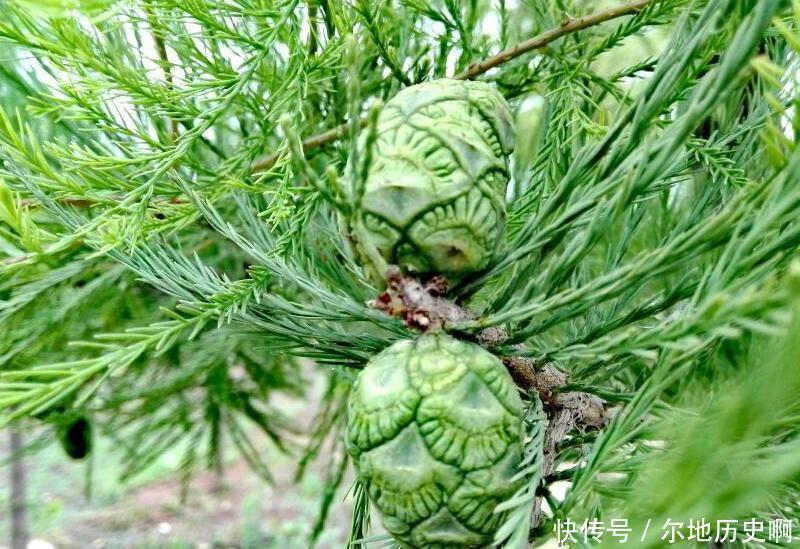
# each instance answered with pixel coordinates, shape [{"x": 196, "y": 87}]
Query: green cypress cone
[
  {"x": 434, "y": 198},
  {"x": 435, "y": 429}
]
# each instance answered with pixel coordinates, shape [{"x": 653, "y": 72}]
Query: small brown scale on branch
[{"x": 421, "y": 305}]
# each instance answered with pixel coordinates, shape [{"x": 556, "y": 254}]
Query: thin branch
[
  {"x": 567, "y": 26},
  {"x": 77, "y": 202},
  {"x": 18, "y": 259},
  {"x": 319, "y": 140},
  {"x": 312, "y": 28},
  {"x": 158, "y": 38}
]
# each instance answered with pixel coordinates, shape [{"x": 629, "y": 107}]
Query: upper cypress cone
[
  {"x": 435, "y": 429},
  {"x": 434, "y": 198}
]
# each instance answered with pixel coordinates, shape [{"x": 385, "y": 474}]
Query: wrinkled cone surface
[
  {"x": 435, "y": 429},
  {"x": 434, "y": 200}
]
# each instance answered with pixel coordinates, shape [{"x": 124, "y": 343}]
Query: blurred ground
[
  {"x": 245, "y": 513},
  {"x": 242, "y": 512}
]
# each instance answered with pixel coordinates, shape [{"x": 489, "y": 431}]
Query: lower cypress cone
[{"x": 435, "y": 430}]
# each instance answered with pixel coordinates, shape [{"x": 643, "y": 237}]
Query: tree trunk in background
[
  {"x": 19, "y": 520},
  {"x": 219, "y": 485}
]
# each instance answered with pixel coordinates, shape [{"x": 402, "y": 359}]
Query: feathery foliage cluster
[{"x": 170, "y": 253}]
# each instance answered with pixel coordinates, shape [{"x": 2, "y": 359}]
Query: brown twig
[
  {"x": 320, "y": 140},
  {"x": 69, "y": 201},
  {"x": 161, "y": 47},
  {"x": 567, "y": 26},
  {"x": 16, "y": 259},
  {"x": 312, "y": 28},
  {"x": 86, "y": 203}
]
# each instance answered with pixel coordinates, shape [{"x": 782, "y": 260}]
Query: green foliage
[
  {"x": 171, "y": 256},
  {"x": 748, "y": 425}
]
